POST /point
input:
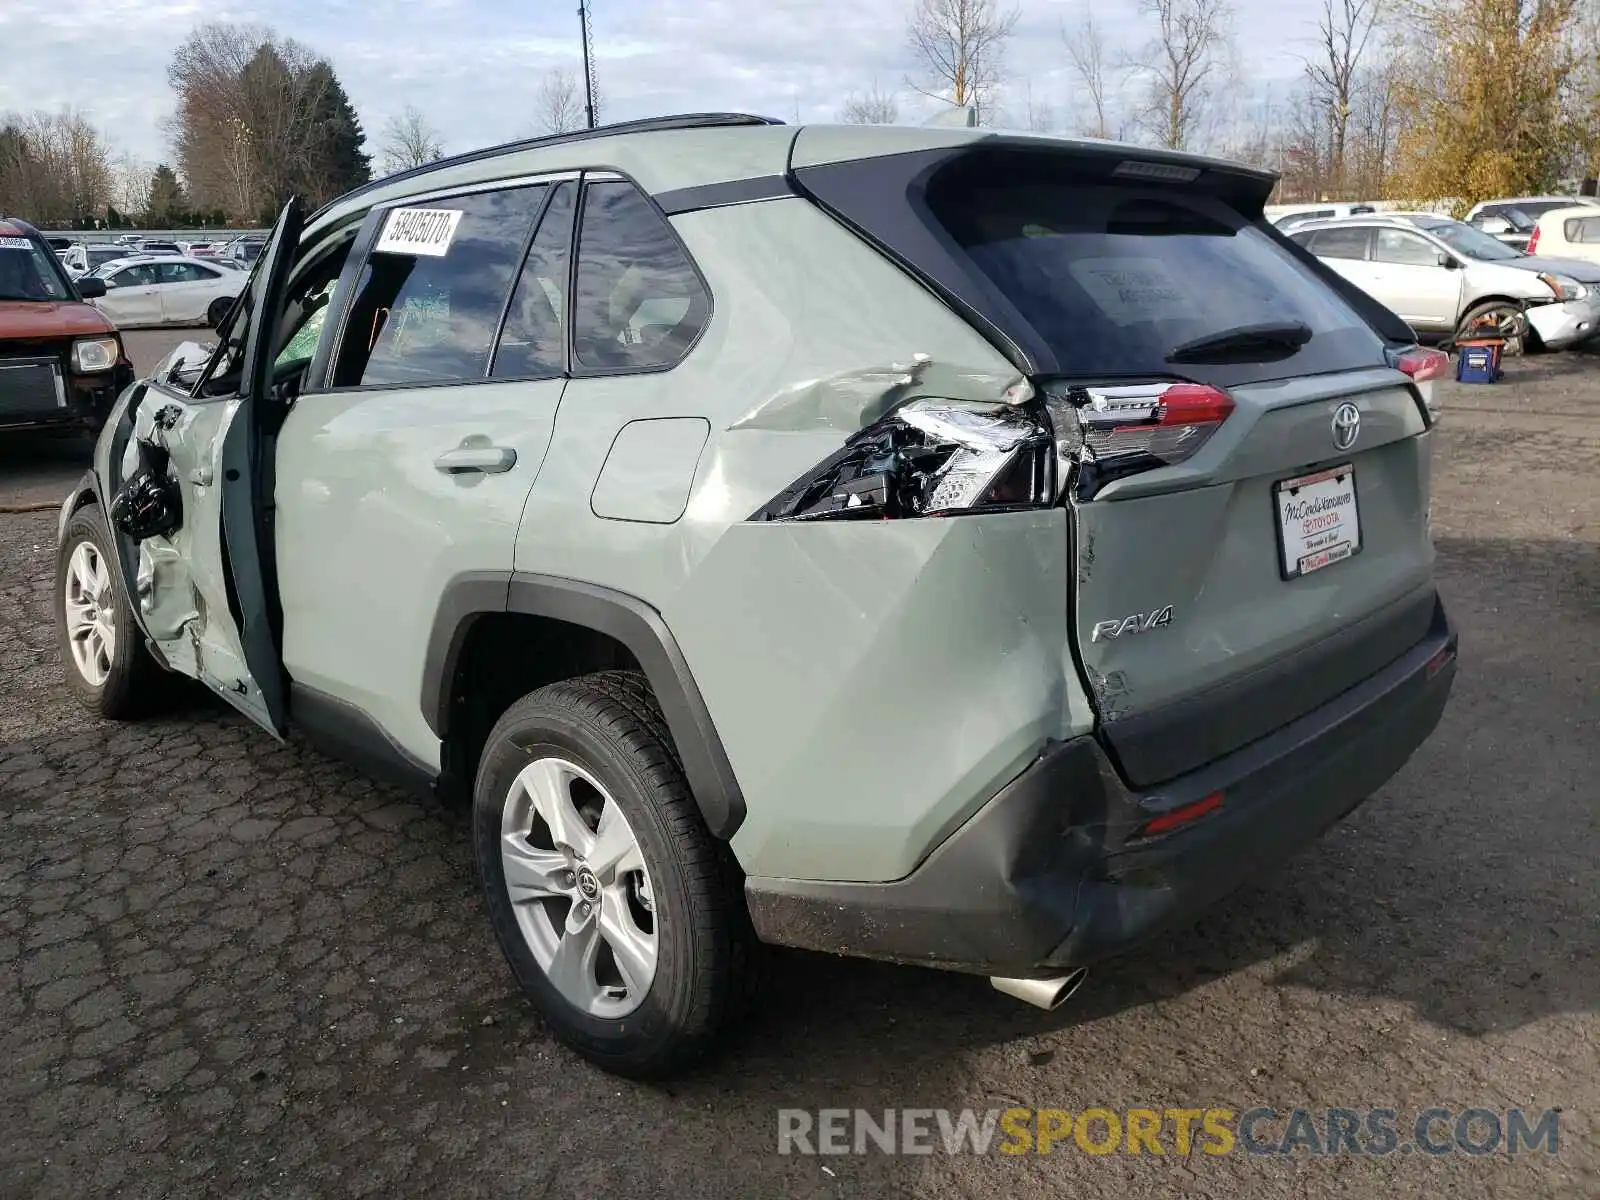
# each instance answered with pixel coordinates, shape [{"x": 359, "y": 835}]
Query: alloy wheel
[
  {"x": 578, "y": 884},
  {"x": 90, "y": 614}
]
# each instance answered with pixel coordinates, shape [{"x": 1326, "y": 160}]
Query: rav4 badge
[{"x": 1156, "y": 618}]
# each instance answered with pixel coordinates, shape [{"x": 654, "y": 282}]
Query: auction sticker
[
  {"x": 426, "y": 231},
  {"x": 1318, "y": 521},
  {"x": 1134, "y": 290},
  {"x": 15, "y": 243}
]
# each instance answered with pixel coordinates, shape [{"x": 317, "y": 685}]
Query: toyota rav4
[{"x": 954, "y": 548}]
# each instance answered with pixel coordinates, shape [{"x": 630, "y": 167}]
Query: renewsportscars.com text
[{"x": 1329, "y": 1131}]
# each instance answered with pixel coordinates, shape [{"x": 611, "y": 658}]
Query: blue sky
[{"x": 472, "y": 65}]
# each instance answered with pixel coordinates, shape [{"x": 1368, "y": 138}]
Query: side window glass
[
  {"x": 1340, "y": 243},
  {"x": 432, "y": 290},
  {"x": 638, "y": 303},
  {"x": 1404, "y": 249},
  {"x": 533, "y": 344},
  {"x": 1582, "y": 229}
]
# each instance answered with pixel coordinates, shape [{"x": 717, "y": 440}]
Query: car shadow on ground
[
  {"x": 1463, "y": 890},
  {"x": 36, "y": 468}
]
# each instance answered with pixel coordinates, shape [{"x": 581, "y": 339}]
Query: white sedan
[{"x": 169, "y": 290}]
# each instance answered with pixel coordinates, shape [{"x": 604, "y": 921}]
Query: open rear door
[{"x": 194, "y": 493}]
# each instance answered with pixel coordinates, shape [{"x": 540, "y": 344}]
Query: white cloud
[{"x": 471, "y": 65}]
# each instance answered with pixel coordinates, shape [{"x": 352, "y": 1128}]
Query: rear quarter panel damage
[{"x": 876, "y": 682}]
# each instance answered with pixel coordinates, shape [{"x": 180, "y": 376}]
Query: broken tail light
[
  {"x": 930, "y": 457},
  {"x": 1116, "y": 430}
]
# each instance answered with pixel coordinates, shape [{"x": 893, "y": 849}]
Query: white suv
[{"x": 1441, "y": 276}]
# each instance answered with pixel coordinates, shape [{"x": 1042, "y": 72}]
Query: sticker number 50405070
[{"x": 419, "y": 231}]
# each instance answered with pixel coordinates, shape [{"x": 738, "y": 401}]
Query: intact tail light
[
  {"x": 1423, "y": 366},
  {"x": 937, "y": 457},
  {"x": 1533, "y": 240}
]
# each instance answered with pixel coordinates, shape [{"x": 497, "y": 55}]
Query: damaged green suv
[{"x": 962, "y": 549}]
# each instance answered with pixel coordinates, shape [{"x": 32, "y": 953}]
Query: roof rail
[{"x": 642, "y": 125}]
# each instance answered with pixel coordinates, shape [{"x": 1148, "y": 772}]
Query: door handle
[{"x": 488, "y": 460}]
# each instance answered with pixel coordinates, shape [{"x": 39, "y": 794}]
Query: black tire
[
  {"x": 218, "y": 310},
  {"x": 135, "y": 684},
  {"x": 1525, "y": 341},
  {"x": 610, "y": 725}
]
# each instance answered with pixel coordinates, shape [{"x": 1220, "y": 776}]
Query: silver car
[
  {"x": 971, "y": 550},
  {"x": 1443, "y": 277}
]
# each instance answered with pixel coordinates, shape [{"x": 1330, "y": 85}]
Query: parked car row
[{"x": 82, "y": 257}]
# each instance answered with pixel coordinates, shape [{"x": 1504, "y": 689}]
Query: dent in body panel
[
  {"x": 1212, "y": 554},
  {"x": 908, "y": 670},
  {"x": 179, "y": 576},
  {"x": 649, "y": 470},
  {"x": 852, "y": 400},
  {"x": 801, "y": 308}
]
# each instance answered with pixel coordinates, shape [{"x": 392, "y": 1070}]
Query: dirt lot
[{"x": 231, "y": 967}]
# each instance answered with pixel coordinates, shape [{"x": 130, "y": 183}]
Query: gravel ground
[{"x": 232, "y": 967}]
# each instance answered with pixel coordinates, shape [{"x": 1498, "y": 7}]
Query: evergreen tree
[
  {"x": 345, "y": 164},
  {"x": 167, "y": 201}
]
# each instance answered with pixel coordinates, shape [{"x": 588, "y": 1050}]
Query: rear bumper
[
  {"x": 1052, "y": 874},
  {"x": 88, "y": 399}
]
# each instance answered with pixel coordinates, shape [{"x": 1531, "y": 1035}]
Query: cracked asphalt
[{"x": 232, "y": 967}]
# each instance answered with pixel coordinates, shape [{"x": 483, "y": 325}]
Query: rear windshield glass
[{"x": 1113, "y": 278}]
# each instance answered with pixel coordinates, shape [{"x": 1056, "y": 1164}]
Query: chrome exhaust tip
[{"x": 1047, "y": 994}]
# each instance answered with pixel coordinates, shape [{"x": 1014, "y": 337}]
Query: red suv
[{"x": 61, "y": 361}]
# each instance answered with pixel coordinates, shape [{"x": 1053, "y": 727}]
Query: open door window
[{"x": 192, "y": 502}]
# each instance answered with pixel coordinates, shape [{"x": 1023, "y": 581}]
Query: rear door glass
[
  {"x": 1403, "y": 249},
  {"x": 533, "y": 344},
  {"x": 1113, "y": 278},
  {"x": 1340, "y": 243},
  {"x": 434, "y": 287}
]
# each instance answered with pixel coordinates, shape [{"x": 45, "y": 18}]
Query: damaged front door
[{"x": 195, "y": 498}]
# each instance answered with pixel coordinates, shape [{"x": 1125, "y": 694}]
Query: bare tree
[
  {"x": 409, "y": 141},
  {"x": 1037, "y": 115},
  {"x": 960, "y": 49},
  {"x": 130, "y": 184},
  {"x": 1183, "y": 67},
  {"x": 874, "y": 108},
  {"x": 1097, "y": 75},
  {"x": 55, "y": 168},
  {"x": 1343, "y": 32},
  {"x": 557, "y": 105}
]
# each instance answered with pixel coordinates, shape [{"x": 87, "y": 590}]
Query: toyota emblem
[{"x": 1346, "y": 425}]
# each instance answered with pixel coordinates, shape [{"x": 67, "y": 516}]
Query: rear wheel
[
  {"x": 218, "y": 310},
  {"x": 102, "y": 649},
  {"x": 619, "y": 915}
]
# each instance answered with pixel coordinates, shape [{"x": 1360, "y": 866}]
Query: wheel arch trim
[{"x": 622, "y": 617}]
